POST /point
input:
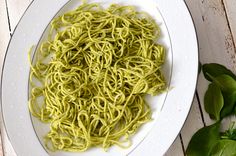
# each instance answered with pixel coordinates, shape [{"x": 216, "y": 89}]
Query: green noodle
[{"x": 91, "y": 75}]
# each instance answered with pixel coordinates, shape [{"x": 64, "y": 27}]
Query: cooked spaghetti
[{"x": 90, "y": 77}]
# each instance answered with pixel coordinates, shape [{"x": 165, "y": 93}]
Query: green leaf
[
  {"x": 226, "y": 83},
  {"x": 224, "y": 148},
  {"x": 203, "y": 140},
  {"x": 215, "y": 70},
  {"x": 213, "y": 101},
  {"x": 229, "y": 104}
]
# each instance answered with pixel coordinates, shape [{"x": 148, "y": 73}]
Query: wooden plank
[
  {"x": 5, "y": 36},
  {"x": 175, "y": 149},
  {"x": 16, "y": 8},
  {"x": 7, "y": 147},
  {"x": 215, "y": 40},
  {"x": 230, "y": 7},
  {"x": 4, "y": 30},
  {"x": 1, "y": 148},
  {"x": 193, "y": 123}
]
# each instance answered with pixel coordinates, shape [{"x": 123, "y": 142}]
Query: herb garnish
[{"x": 219, "y": 102}]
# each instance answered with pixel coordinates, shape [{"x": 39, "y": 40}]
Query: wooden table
[{"x": 215, "y": 22}]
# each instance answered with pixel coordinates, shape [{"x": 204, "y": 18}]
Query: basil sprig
[{"x": 219, "y": 102}]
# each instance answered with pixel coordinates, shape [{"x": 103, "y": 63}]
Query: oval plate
[{"x": 169, "y": 110}]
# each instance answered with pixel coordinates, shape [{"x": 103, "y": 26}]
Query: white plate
[{"x": 169, "y": 109}]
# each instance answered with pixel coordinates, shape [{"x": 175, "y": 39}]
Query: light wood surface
[
  {"x": 215, "y": 22},
  {"x": 230, "y": 7}
]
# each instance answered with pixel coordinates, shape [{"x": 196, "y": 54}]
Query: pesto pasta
[{"x": 89, "y": 79}]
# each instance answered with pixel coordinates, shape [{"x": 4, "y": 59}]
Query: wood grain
[
  {"x": 5, "y": 36},
  {"x": 192, "y": 124},
  {"x": 16, "y": 8},
  {"x": 230, "y": 7},
  {"x": 215, "y": 40},
  {"x": 4, "y": 31},
  {"x": 175, "y": 149}
]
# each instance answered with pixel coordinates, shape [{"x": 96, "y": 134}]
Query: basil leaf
[
  {"x": 203, "y": 140},
  {"x": 226, "y": 83},
  {"x": 224, "y": 148},
  {"x": 229, "y": 104},
  {"x": 213, "y": 101},
  {"x": 215, "y": 70}
]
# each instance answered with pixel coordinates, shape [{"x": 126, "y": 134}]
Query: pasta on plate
[{"x": 89, "y": 79}]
